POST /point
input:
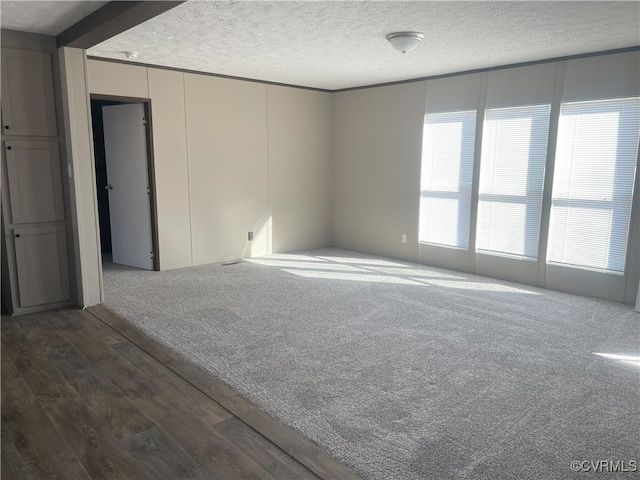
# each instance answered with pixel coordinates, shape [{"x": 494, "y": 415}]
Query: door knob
[
  {"x": 17, "y": 235},
  {"x": 108, "y": 187}
]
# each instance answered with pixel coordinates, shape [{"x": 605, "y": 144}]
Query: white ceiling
[
  {"x": 341, "y": 44},
  {"x": 48, "y": 18}
]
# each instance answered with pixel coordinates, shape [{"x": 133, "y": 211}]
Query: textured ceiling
[
  {"x": 48, "y": 18},
  {"x": 341, "y": 44},
  {"x": 335, "y": 45}
]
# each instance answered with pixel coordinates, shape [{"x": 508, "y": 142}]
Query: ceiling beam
[{"x": 110, "y": 20}]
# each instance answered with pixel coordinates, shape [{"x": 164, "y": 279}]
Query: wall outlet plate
[
  {"x": 404, "y": 238},
  {"x": 250, "y": 236}
]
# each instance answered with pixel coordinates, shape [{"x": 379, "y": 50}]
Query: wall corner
[{"x": 80, "y": 166}]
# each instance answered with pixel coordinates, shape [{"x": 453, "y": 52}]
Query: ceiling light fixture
[
  {"x": 405, "y": 41},
  {"x": 131, "y": 55}
]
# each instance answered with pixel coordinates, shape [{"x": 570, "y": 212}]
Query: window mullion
[{"x": 547, "y": 194}]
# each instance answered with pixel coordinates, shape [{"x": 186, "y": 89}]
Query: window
[
  {"x": 447, "y": 168},
  {"x": 593, "y": 183},
  {"x": 514, "y": 149}
]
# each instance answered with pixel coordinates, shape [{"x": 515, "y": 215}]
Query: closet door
[
  {"x": 35, "y": 183},
  {"x": 42, "y": 264},
  {"x": 28, "y": 106}
]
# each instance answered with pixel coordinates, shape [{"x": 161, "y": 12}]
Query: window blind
[
  {"x": 447, "y": 170},
  {"x": 514, "y": 150},
  {"x": 595, "y": 164}
]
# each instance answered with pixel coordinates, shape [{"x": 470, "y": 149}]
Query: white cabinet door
[
  {"x": 42, "y": 265},
  {"x": 35, "y": 182},
  {"x": 28, "y": 106}
]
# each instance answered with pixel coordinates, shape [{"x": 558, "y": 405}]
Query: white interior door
[{"x": 125, "y": 144}]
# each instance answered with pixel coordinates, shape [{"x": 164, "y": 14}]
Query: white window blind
[
  {"x": 447, "y": 170},
  {"x": 593, "y": 180},
  {"x": 514, "y": 150}
]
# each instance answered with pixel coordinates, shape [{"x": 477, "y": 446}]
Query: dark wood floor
[{"x": 85, "y": 395}]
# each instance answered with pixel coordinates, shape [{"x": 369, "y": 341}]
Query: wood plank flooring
[{"x": 87, "y": 396}]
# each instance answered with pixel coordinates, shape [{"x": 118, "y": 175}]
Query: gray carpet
[{"x": 402, "y": 371}]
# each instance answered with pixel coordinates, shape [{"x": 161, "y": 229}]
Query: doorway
[{"x": 125, "y": 181}]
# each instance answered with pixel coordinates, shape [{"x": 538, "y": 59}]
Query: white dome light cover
[{"x": 405, "y": 41}]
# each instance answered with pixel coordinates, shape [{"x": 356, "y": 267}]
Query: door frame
[{"x": 150, "y": 166}]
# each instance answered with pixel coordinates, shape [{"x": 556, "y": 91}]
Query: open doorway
[{"x": 124, "y": 181}]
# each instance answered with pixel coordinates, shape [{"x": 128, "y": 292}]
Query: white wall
[
  {"x": 171, "y": 167},
  {"x": 231, "y": 157},
  {"x": 300, "y": 181},
  {"x": 377, "y": 154},
  {"x": 344, "y": 114},
  {"x": 82, "y": 185},
  {"x": 228, "y": 160}
]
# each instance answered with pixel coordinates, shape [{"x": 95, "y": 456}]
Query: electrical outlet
[
  {"x": 404, "y": 238},
  {"x": 250, "y": 236}
]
